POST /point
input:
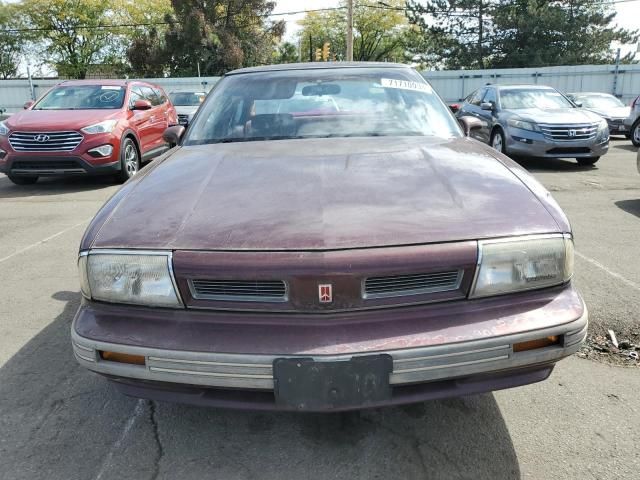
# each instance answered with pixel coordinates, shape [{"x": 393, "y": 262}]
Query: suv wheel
[
  {"x": 129, "y": 160},
  {"x": 23, "y": 180},
  {"x": 498, "y": 142},
  {"x": 635, "y": 134},
  {"x": 587, "y": 161}
]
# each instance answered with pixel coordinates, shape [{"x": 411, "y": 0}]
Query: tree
[
  {"x": 11, "y": 45},
  {"x": 459, "y": 31},
  {"x": 214, "y": 36},
  {"x": 517, "y": 33},
  {"x": 286, "y": 52},
  {"x": 569, "y": 32},
  {"x": 381, "y": 31}
]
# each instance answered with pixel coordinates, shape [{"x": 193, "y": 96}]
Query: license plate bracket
[{"x": 306, "y": 384}]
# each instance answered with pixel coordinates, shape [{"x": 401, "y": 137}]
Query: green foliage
[
  {"x": 216, "y": 35},
  {"x": 75, "y": 35},
  {"x": 516, "y": 33},
  {"x": 286, "y": 52},
  {"x": 11, "y": 47},
  {"x": 379, "y": 34}
]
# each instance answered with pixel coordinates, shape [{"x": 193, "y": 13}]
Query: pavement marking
[
  {"x": 118, "y": 443},
  {"x": 25, "y": 249},
  {"x": 624, "y": 280}
]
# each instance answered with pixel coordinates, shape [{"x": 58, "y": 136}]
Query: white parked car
[
  {"x": 187, "y": 104},
  {"x": 633, "y": 122}
]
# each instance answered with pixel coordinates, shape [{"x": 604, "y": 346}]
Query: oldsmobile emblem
[
  {"x": 325, "y": 293},
  {"x": 41, "y": 138}
]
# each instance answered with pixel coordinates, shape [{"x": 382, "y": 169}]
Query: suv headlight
[
  {"x": 133, "y": 277},
  {"x": 4, "y": 130},
  {"x": 512, "y": 122},
  {"x": 522, "y": 263},
  {"x": 103, "y": 127}
]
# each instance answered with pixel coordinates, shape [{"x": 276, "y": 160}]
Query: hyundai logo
[{"x": 41, "y": 138}]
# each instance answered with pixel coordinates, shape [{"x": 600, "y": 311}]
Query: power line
[{"x": 379, "y": 6}]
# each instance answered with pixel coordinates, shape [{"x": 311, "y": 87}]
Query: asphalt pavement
[{"x": 58, "y": 421}]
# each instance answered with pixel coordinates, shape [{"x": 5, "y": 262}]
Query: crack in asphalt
[{"x": 156, "y": 436}]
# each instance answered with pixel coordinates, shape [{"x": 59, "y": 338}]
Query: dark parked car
[
  {"x": 86, "y": 127},
  {"x": 362, "y": 255},
  {"x": 536, "y": 121},
  {"x": 607, "y": 106}
]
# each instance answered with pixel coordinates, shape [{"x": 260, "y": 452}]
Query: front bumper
[
  {"x": 443, "y": 363},
  {"x": 55, "y": 165},
  {"x": 534, "y": 144}
]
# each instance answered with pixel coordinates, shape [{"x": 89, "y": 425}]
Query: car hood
[
  {"x": 185, "y": 109},
  {"x": 613, "y": 112},
  {"x": 48, "y": 120},
  {"x": 323, "y": 194},
  {"x": 556, "y": 116}
]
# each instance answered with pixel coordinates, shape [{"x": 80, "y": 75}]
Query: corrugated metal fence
[
  {"x": 451, "y": 85},
  {"x": 456, "y": 85}
]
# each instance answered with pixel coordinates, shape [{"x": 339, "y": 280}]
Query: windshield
[
  {"x": 598, "y": 101},
  {"x": 546, "y": 99},
  {"x": 187, "y": 99},
  {"x": 344, "y": 102},
  {"x": 83, "y": 97}
]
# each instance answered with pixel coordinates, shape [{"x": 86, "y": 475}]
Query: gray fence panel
[{"x": 454, "y": 86}]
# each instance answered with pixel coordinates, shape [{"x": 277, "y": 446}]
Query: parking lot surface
[{"x": 59, "y": 421}]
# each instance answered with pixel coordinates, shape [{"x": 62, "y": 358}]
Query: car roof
[
  {"x": 591, "y": 93},
  {"x": 109, "y": 82},
  {"x": 316, "y": 66},
  {"x": 187, "y": 91},
  {"x": 523, "y": 85}
]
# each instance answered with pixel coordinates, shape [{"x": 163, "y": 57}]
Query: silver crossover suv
[{"x": 536, "y": 121}]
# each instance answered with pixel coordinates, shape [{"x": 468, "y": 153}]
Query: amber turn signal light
[
  {"x": 122, "y": 358},
  {"x": 537, "y": 343}
]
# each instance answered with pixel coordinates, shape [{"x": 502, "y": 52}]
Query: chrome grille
[
  {"x": 414, "y": 284},
  {"x": 564, "y": 133},
  {"x": 239, "y": 290},
  {"x": 45, "y": 141}
]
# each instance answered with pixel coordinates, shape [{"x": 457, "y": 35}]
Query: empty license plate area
[{"x": 306, "y": 384}]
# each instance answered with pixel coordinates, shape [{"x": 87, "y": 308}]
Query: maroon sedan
[{"x": 326, "y": 237}]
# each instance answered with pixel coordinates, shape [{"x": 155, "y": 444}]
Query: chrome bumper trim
[{"x": 413, "y": 365}]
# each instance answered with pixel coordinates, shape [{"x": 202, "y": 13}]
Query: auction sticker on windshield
[{"x": 405, "y": 85}]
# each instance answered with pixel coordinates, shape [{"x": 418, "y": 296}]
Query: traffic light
[
  {"x": 326, "y": 51},
  {"x": 318, "y": 54}
]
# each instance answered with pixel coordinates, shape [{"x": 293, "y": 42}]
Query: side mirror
[
  {"x": 487, "y": 106},
  {"x": 173, "y": 135},
  {"x": 142, "y": 105},
  {"x": 28, "y": 105},
  {"x": 469, "y": 124}
]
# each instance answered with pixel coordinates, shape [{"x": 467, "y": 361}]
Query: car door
[
  {"x": 141, "y": 119},
  {"x": 488, "y": 117},
  {"x": 471, "y": 107},
  {"x": 157, "y": 120}
]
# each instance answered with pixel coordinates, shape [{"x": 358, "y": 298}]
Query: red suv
[{"x": 86, "y": 128}]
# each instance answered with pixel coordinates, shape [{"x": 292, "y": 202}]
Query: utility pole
[
  {"x": 615, "y": 73},
  {"x": 349, "y": 30},
  {"x": 310, "y": 48}
]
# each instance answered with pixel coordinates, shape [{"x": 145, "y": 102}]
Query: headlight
[
  {"x": 512, "y": 122},
  {"x": 4, "y": 130},
  {"x": 603, "y": 125},
  {"x": 140, "y": 278},
  {"x": 103, "y": 127},
  {"x": 523, "y": 263}
]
